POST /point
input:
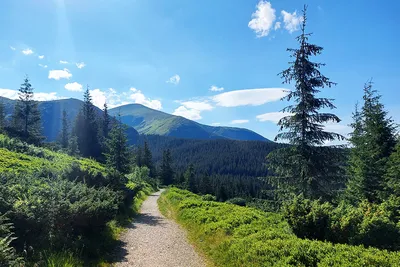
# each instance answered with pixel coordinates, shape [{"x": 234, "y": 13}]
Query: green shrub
[
  {"x": 8, "y": 255},
  {"x": 209, "y": 197},
  {"x": 237, "y": 201},
  {"x": 231, "y": 235}
]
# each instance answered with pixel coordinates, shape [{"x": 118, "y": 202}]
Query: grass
[{"x": 231, "y": 235}]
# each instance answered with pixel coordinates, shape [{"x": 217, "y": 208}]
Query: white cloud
[
  {"x": 291, "y": 20},
  {"x": 216, "y": 124},
  {"x": 192, "y": 109},
  {"x": 41, "y": 57},
  {"x": 174, "y": 79},
  {"x": 63, "y": 62},
  {"x": 59, "y": 74},
  {"x": 239, "y": 121},
  {"x": 191, "y": 114},
  {"x": 43, "y": 66},
  {"x": 27, "y": 51},
  {"x": 80, "y": 65},
  {"x": 262, "y": 19},
  {"x": 338, "y": 128},
  {"x": 12, "y": 48},
  {"x": 139, "y": 98},
  {"x": 277, "y": 25},
  {"x": 252, "y": 97},
  {"x": 75, "y": 87},
  {"x": 13, "y": 94},
  {"x": 98, "y": 97},
  {"x": 273, "y": 116},
  {"x": 216, "y": 88}
]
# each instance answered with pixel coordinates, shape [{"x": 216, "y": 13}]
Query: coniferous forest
[{"x": 297, "y": 201}]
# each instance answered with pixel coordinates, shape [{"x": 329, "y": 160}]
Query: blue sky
[{"x": 195, "y": 58}]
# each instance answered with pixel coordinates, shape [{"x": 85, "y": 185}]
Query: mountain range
[{"x": 139, "y": 119}]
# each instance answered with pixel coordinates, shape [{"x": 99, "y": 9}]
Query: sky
[{"x": 215, "y": 62}]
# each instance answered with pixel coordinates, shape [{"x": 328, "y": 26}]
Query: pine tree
[
  {"x": 2, "y": 117},
  {"x": 73, "y": 147},
  {"x": 118, "y": 154},
  {"x": 392, "y": 181},
  {"x": 191, "y": 179},
  {"x": 306, "y": 166},
  {"x": 373, "y": 141},
  {"x": 106, "y": 121},
  {"x": 139, "y": 157},
  {"x": 64, "y": 134},
  {"x": 86, "y": 129},
  {"x": 167, "y": 173},
  {"x": 26, "y": 119},
  {"x": 148, "y": 159}
]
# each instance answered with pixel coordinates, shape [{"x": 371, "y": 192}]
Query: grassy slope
[{"x": 240, "y": 236}]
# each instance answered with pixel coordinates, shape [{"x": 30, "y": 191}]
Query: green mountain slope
[{"x": 153, "y": 122}]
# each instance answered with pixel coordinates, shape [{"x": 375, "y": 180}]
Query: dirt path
[{"x": 155, "y": 241}]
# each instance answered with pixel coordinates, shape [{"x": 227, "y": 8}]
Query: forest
[{"x": 301, "y": 202}]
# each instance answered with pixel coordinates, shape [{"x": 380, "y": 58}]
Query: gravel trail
[{"x": 155, "y": 241}]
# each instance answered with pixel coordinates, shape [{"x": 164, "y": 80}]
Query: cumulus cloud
[
  {"x": 216, "y": 88},
  {"x": 291, "y": 20},
  {"x": 262, "y": 19},
  {"x": 251, "y": 97},
  {"x": 98, "y": 97},
  {"x": 59, "y": 74},
  {"x": 80, "y": 65},
  {"x": 27, "y": 51},
  {"x": 41, "y": 57},
  {"x": 192, "y": 109},
  {"x": 75, "y": 87},
  {"x": 277, "y": 25},
  {"x": 273, "y": 116},
  {"x": 13, "y": 94},
  {"x": 191, "y": 114},
  {"x": 239, "y": 121},
  {"x": 63, "y": 62},
  {"x": 174, "y": 79},
  {"x": 12, "y": 48},
  {"x": 43, "y": 66},
  {"x": 139, "y": 98}
]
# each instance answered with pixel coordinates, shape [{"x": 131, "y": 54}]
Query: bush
[
  {"x": 209, "y": 197},
  {"x": 8, "y": 256},
  {"x": 240, "y": 236},
  {"x": 237, "y": 201},
  {"x": 367, "y": 224}
]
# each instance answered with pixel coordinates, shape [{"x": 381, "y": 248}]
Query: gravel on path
[{"x": 155, "y": 241}]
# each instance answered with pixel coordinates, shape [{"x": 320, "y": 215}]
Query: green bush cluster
[
  {"x": 232, "y": 235},
  {"x": 368, "y": 224}
]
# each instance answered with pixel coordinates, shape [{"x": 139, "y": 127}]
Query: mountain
[
  {"x": 51, "y": 112},
  {"x": 153, "y": 122}
]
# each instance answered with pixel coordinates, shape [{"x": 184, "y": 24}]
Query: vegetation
[{"x": 231, "y": 235}]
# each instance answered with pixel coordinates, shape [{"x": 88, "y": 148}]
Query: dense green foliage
[
  {"x": 231, "y": 235},
  {"x": 305, "y": 166}
]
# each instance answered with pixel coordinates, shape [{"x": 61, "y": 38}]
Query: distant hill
[
  {"x": 153, "y": 122},
  {"x": 51, "y": 112}
]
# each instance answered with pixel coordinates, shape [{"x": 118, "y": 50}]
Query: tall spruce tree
[
  {"x": 87, "y": 129},
  {"x": 147, "y": 159},
  {"x": 190, "y": 179},
  {"x": 26, "y": 120},
  {"x": 64, "y": 134},
  {"x": 73, "y": 147},
  {"x": 306, "y": 166},
  {"x": 373, "y": 140},
  {"x": 392, "y": 176},
  {"x": 167, "y": 173},
  {"x": 2, "y": 117},
  {"x": 118, "y": 154},
  {"x": 106, "y": 121}
]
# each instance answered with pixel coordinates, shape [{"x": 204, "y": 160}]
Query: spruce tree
[
  {"x": 392, "y": 181},
  {"x": 106, "y": 122},
  {"x": 373, "y": 140},
  {"x": 86, "y": 129},
  {"x": 73, "y": 147},
  {"x": 306, "y": 166},
  {"x": 167, "y": 173},
  {"x": 64, "y": 134},
  {"x": 2, "y": 117},
  {"x": 190, "y": 179},
  {"x": 26, "y": 121},
  {"x": 139, "y": 157},
  {"x": 147, "y": 159},
  {"x": 118, "y": 154}
]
